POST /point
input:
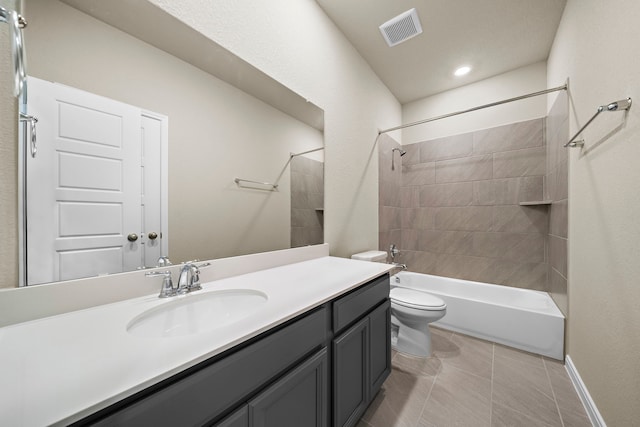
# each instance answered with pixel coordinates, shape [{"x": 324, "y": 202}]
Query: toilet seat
[{"x": 418, "y": 300}]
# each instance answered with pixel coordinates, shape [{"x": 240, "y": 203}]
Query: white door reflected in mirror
[{"x": 95, "y": 183}]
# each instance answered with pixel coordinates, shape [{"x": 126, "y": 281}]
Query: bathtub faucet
[{"x": 400, "y": 266}]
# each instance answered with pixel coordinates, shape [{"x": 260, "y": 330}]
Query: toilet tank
[{"x": 374, "y": 256}]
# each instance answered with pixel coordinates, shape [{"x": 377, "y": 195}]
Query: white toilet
[{"x": 411, "y": 313}]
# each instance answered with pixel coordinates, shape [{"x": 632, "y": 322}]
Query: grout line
[
  {"x": 424, "y": 405},
  {"x": 493, "y": 358},
  {"x": 531, "y": 418},
  {"x": 553, "y": 392}
]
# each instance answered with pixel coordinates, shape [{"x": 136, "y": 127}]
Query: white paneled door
[{"x": 84, "y": 200}]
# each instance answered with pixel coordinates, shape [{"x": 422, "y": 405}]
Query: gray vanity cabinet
[
  {"x": 240, "y": 418},
  {"x": 362, "y": 353},
  {"x": 350, "y": 351},
  {"x": 298, "y": 399},
  {"x": 320, "y": 369},
  {"x": 379, "y": 347}
]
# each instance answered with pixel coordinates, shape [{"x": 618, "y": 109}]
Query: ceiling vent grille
[{"x": 401, "y": 28}]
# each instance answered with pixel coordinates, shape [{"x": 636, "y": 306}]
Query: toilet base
[{"x": 415, "y": 342}]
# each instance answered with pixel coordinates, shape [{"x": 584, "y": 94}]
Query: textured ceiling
[{"x": 491, "y": 36}]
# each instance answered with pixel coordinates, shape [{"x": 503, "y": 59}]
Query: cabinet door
[
  {"x": 379, "y": 346},
  {"x": 350, "y": 380},
  {"x": 240, "y": 418},
  {"x": 299, "y": 399}
]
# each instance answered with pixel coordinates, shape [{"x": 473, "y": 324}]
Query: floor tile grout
[
  {"x": 493, "y": 357},
  {"x": 555, "y": 399},
  {"x": 424, "y": 405}
]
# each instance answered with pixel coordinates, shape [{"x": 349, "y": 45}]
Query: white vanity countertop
[{"x": 62, "y": 368}]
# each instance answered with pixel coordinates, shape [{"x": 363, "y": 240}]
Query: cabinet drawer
[
  {"x": 351, "y": 307},
  {"x": 207, "y": 393}
]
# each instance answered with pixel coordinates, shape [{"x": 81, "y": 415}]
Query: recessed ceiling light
[{"x": 462, "y": 71}]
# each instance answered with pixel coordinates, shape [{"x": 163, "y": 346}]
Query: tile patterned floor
[{"x": 471, "y": 382}]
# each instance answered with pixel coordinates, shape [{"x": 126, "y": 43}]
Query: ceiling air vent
[{"x": 401, "y": 28}]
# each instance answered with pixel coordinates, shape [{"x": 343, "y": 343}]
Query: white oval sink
[{"x": 196, "y": 313}]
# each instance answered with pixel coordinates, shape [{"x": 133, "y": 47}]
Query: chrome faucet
[
  {"x": 400, "y": 266},
  {"x": 167, "y": 289},
  {"x": 189, "y": 279},
  {"x": 393, "y": 251}
]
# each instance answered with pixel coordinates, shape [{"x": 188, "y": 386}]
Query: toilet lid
[{"x": 416, "y": 299}]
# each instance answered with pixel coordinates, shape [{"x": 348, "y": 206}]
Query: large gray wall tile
[
  {"x": 464, "y": 169},
  {"x": 558, "y": 219},
  {"x": 520, "y": 219},
  {"x": 413, "y": 154},
  {"x": 508, "y": 191},
  {"x": 425, "y": 218},
  {"x": 409, "y": 239},
  {"x": 449, "y": 147},
  {"x": 465, "y": 267},
  {"x": 558, "y": 290},
  {"x": 525, "y": 162},
  {"x": 389, "y": 218},
  {"x": 420, "y": 174},
  {"x": 526, "y": 275},
  {"x": 410, "y": 197},
  {"x": 307, "y": 200},
  {"x": 521, "y": 247},
  {"x": 305, "y": 218},
  {"x": 471, "y": 218},
  {"x": 558, "y": 254},
  {"x": 419, "y": 262},
  {"x": 389, "y": 194},
  {"x": 455, "y": 194},
  {"x": 417, "y": 218},
  {"x": 446, "y": 242},
  {"x": 509, "y": 137}
]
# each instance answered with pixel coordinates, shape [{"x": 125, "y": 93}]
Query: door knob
[
  {"x": 132, "y": 237},
  {"x": 153, "y": 235}
]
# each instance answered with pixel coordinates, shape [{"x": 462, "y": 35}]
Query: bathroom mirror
[{"x": 226, "y": 120}]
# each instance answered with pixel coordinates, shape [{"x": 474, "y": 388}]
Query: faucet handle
[
  {"x": 195, "y": 277},
  {"x": 167, "y": 289}
]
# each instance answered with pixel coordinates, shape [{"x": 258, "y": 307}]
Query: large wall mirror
[{"x": 223, "y": 120}]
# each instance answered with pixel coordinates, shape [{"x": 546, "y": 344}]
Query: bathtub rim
[{"x": 553, "y": 310}]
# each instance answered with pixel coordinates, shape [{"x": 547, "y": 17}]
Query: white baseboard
[{"x": 589, "y": 405}]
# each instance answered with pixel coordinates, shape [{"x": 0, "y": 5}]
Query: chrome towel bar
[
  {"x": 622, "y": 105},
  {"x": 274, "y": 187}
]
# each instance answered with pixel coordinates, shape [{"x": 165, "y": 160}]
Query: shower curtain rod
[
  {"x": 493, "y": 104},
  {"x": 305, "y": 152}
]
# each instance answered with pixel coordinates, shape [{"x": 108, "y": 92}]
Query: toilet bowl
[{"x": 411, "y": 313}]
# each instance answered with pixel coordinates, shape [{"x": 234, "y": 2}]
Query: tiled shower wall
[
  {"x": 307, "y": 201},
  {"x": 390, "y": 182},
  {"x": 556, "y": 190},
  {"x": 453, "y": 208}
]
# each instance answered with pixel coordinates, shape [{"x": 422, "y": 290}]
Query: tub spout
[{"x": 400, "y": 266}]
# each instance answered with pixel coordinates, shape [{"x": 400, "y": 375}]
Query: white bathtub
[{"x": 520, "y": 318}]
